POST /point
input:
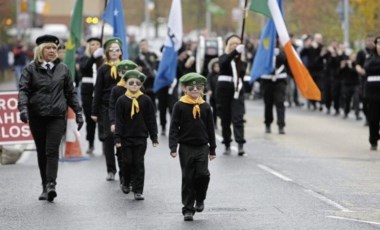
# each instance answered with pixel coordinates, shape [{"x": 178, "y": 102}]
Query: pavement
[{"x": 320, "y": 175}]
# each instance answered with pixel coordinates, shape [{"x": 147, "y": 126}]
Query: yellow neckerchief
[
  {"x": 189, "y": 100},
  {"x": 121, "y": 82},
  {"x": 135, "y": 103},
  {"x": 113, "y": 68}
]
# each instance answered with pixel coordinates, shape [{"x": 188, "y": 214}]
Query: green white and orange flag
[{"x": 301, "y": 75}]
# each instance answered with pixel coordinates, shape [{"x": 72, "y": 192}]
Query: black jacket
[
  {"x": 102, "y": 91},
  {"x": 141, "y": 126},
  {"x": 372, "y": 68},
  {"x": 47, "y": 94},
  {"x": 85, "y": 67},
  {"x": 184, "y": 129}
]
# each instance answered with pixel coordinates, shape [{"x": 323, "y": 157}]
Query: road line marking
[
  {"x": 355, "y": 220},
  {"x": 271, "y": 171},
  {"x": 327, "y": 200}
]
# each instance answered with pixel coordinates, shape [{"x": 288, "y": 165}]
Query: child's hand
[
  {"x": 113, "y": 128},
  {"x": 173, "y": 154},
  {"x": 211, "y": 157},
  {"x": 118, "y": 145},
  {"x": 155, "y": 144}
]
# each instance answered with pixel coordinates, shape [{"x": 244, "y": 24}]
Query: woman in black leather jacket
[{"x": 46, "y": 90}]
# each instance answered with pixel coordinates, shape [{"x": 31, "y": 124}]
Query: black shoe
[
  {"x": 373, "y": 147},
  {"x": 345, "y": 116},
  {"x": 51, "y": 193},
  {"x": 227, "y": 151},
  {"x": 125, "y": 189},
  {"x": 359, "y": 118},
  {"x": 139, "y": 196},
  {"x": 241, "y": 151},
  {"x": 43, "y": 195},
  {"x": 267, "y": 129},
  {"x": 110, "y": 176},
  {"x": 163, "y": 132},
  {"x": 281, "y": 130},
  {"x": 188, "y": 216},
  {"x": 199, "y": 206}
]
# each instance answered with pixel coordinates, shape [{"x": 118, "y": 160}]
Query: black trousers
[
  {"x": 90, "y": 124},
  {"x": 195, "y": 174},
  {"x": 133, "y": 153},
  {"x": 231, "y": 112},
  {"x": 166, "y": 102},
  {"x": 351, "y": 94},
  {"x": 106, "y": 136},
  {"x": 47, "y": 134},
  {"x": 373, "y": 116},
  {"x": 274, "y": 95}
]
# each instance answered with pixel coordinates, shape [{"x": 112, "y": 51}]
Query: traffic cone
[{"x": 73, "y": 151}]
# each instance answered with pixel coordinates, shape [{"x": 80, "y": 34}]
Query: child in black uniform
[
  {"x": 117, "y": 91},
  {"x": 192, "y": 127},
  {"x": 135, "y": 122}
]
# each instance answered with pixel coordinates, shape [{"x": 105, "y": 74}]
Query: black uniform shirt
[
  {"x": 103, "y": 87},
  {"x": 184, "y": 129},
  {"x": 116, "y": 92},
  {"x": 143, "y": 123}
]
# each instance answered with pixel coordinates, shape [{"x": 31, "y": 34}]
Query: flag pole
[
  {"x": 239, "y": 63},
  {"x": 245, "y": 13},
  {"x": 102, "y": 31}
]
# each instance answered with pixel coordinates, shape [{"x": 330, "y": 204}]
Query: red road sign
[{"x": 12, "y": 129}]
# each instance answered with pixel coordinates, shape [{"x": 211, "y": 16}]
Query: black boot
[
  {"x": 241, "y": 151},
  {"x": 51, "y": 193},
  {"x": 43, "y": 195}
]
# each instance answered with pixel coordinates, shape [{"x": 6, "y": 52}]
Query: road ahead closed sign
[{"x": 12, "y": 130}]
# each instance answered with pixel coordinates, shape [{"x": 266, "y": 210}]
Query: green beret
[
  {"x": 112, "y": 40},
  {"x": 134, "y": 74},
  {"x": 192, "y": 79},
  {"x": 126, "y": 65}
]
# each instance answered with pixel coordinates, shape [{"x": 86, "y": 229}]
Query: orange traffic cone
[{"x": 73, "y": 151}]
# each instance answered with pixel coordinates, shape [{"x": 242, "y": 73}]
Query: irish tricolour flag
[{"x": 303, "y": 79}]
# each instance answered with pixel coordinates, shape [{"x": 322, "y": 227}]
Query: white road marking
[
  {"x": 327, "y": 200},
  {"x": 271, "y": 171},
  {"x": 355, "y": 220}
]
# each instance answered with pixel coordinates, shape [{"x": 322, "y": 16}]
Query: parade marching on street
[
  {"x": 272, "y": 131},
  {"x": 320, "y": 175}
]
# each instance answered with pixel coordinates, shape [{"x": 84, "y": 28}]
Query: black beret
[
  {"x": 231, "y": 36},
  {"x": 94, "y": 39},
  {"x": 47, "y": 38}
]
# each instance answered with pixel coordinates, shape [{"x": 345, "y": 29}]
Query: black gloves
[
  {"x": 24, "y": 116},
  {"x": 79, "y": 120}
]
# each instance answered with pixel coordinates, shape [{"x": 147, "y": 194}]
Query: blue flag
[
  {"x": 263, "y": 61},
  {"x": 167, "y": 70},
  {"x": 113, "y": 15}
]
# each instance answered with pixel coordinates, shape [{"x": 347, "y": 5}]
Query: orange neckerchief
[
  {"x": 189, "y": 100},
  {"x": 113, "y": 68},
  {"x": 135, "y": 103}
]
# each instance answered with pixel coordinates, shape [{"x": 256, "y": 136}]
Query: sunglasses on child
[
  {"x": 198, "y": 87},
  {"x": 114, "y": 50},
  {"x": 138, "y": 83}
]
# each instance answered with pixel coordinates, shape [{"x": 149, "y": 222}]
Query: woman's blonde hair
[{"x": 38, "y": 51}]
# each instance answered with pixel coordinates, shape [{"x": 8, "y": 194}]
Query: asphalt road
[{"x": 320, "y": 175}]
